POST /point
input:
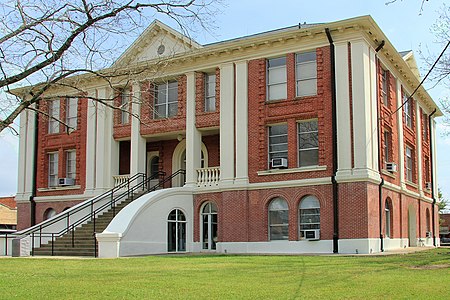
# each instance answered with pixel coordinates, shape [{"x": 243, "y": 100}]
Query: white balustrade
[
  {"x": 119, "y": 179},
  {"x": 208, "y": 176}
]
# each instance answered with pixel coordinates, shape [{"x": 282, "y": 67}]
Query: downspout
[
  {"x": 334, "y": 141},
  {"x": 380, "y": 167},
  {"x": 34, "y": 174},
  {"x": 433, "y": 194}
]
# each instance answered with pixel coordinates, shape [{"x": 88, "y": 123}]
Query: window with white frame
[
  {"x": 309, "y": 215},
  {"x": 387, "y": 145},
  {"x": 125, "y": 106},
  {"x": 308, "y": 143},
  {"x": 53, "y": 169},
  {"x": 278, "y": 142},
  {"x": 71, "y": 164},
  {"x": 209, "y": 226},
  {"x": 384, "y": 86},
  {"x": 388, "y": 223},
  {"x": 276, "y": 78},
  {"x": 53, "y": 116},
  {"x": 166, "y": 100},
  {"x": 408, "y": 107},
  {"x": 210, "y": 92},
  {"x": 71, "y": 113},
  {"x": 425, "y": 126},
  {"x": 278, "y": 219},
  {"x": 306, "y": 73},
  {"x": 409, "y": 164},
  {"x": 176, "y": 231}
]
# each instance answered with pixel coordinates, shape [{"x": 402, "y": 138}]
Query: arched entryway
[
  {"x": 209, "y": 226},
  {"x": 176, "y": 231},
  {"x": 412, "y": 227},
  {"x": 179, "y": 161}
]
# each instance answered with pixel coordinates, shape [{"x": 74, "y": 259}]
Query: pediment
[
  {"x": 408, "y": 57},
  {"x": 157, "y": 41}
]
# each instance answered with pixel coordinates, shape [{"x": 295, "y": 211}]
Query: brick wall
[
  {"x": 61, "y": 142},
  {"x": 263, "y": 113}
]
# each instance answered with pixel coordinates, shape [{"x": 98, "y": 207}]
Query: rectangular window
[
  {"x": 278, "y": 142},
  {"x": 71, "y": 113},
  {"x": 53, "y": 169},
  {"x": 408, "y": 110},
  {"x": 125, "y": 106},
  {"x": 384, "y": 87},
  {"x": 427, "y": 170},
  {"x": 71, "y": 164},
  {"x": 210, "y": 92},
  {"x": 409, "y": 164},
  {"x": 425, "y": 126},
  {"x": 387, "y": 145},
  {"x": 306, "y": 72},
  {"x": 276, "y": 79},
  {"x": 308, "y": 143},
  {"x": 166, "y": 100},
  {"x": 53, "y": 116}
]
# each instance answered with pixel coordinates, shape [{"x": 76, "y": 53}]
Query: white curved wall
[{"x": 141, "y": 227}]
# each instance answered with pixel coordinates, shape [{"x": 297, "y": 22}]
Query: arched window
[
  {"x": 388, "y": 221},
  {"x": 427, "y": 219},
  {"x": 209, "y": 226},
  {"x": 278, "y": 219},
  {"x": 49, "y": 213},
  {"x": 176, "y": 231},
  {"x": 309, "y": 212}
]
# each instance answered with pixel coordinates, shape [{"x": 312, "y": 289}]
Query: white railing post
[
  {"x": 208, "y": 176},
  {"x": 119, "y": 179}
]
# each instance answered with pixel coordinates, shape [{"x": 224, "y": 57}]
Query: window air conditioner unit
[
  {"x": 312, "y": 235},
  {"x": 391, "y": 167},
  {"x": 279, "y": 163},
  {"x": 66, "y": 181},
  {"x": 428, "y": 185},
  {"x": 429, "y": 234}
]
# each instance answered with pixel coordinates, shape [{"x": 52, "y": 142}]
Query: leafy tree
[{"x": 44, "y": 42}]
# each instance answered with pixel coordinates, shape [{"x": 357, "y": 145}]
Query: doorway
[{"x": 176, "y": 231}]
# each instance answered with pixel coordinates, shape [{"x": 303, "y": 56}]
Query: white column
[
  {"x": 106, "y": 151},
  {"x": 193, "y": 136},
  {"x": 433, "y": 132},
  {"x": 138, "y": 143},
  {"x": 26, "y": 155},
  {"x": 401, "y": 150},
  {"x": 362, "y": 110},
  {"x": 418, "y": 151},
  {"x": 374, "y": 110},
  {"x": 344, "y": 141},
  {"x": 91, "y": 143},
  {"x": 227, "y": 124},
  {"x": 241, "y": 122}
]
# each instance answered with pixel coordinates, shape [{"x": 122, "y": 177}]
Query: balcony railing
[
  {"x": 119, "y": 179},
  {"x": 208, "y": 176}
]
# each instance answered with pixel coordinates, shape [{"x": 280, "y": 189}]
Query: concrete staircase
[{"x": 84, "y": 242}]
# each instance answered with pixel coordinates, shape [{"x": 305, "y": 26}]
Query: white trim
[
  {"x": 227, "y": 147},
  {"x": 193, "y": 135},
  {"x": 241, "y": 122},
  {"x": 290, "y": 183},
  {"x": 138, "y": 143},
  {"x": 292, "y": 170},
  {"x": 344, "y": 142},
  {"x": 91, "y": 145}
]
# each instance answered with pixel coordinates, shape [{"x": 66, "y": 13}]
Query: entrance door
[
  {"x": 176, "y": 231},
  {"x": 412, "y": 232},
  {"x": 209, "y": 226}
]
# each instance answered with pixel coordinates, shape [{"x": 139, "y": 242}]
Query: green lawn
[{"x": 422, "y": 275}]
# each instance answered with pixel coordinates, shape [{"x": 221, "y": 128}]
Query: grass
[{"x": 419, "y": 275}]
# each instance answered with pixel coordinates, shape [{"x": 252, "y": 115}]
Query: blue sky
[{"x": 403, "y": 23}]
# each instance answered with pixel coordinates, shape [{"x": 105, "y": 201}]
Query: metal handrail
[{"x": 115, "y": 194}]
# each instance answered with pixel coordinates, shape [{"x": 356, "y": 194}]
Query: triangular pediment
[
  {"x": 408, "y": 57},
  {"x": 157, "y": 41}
]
